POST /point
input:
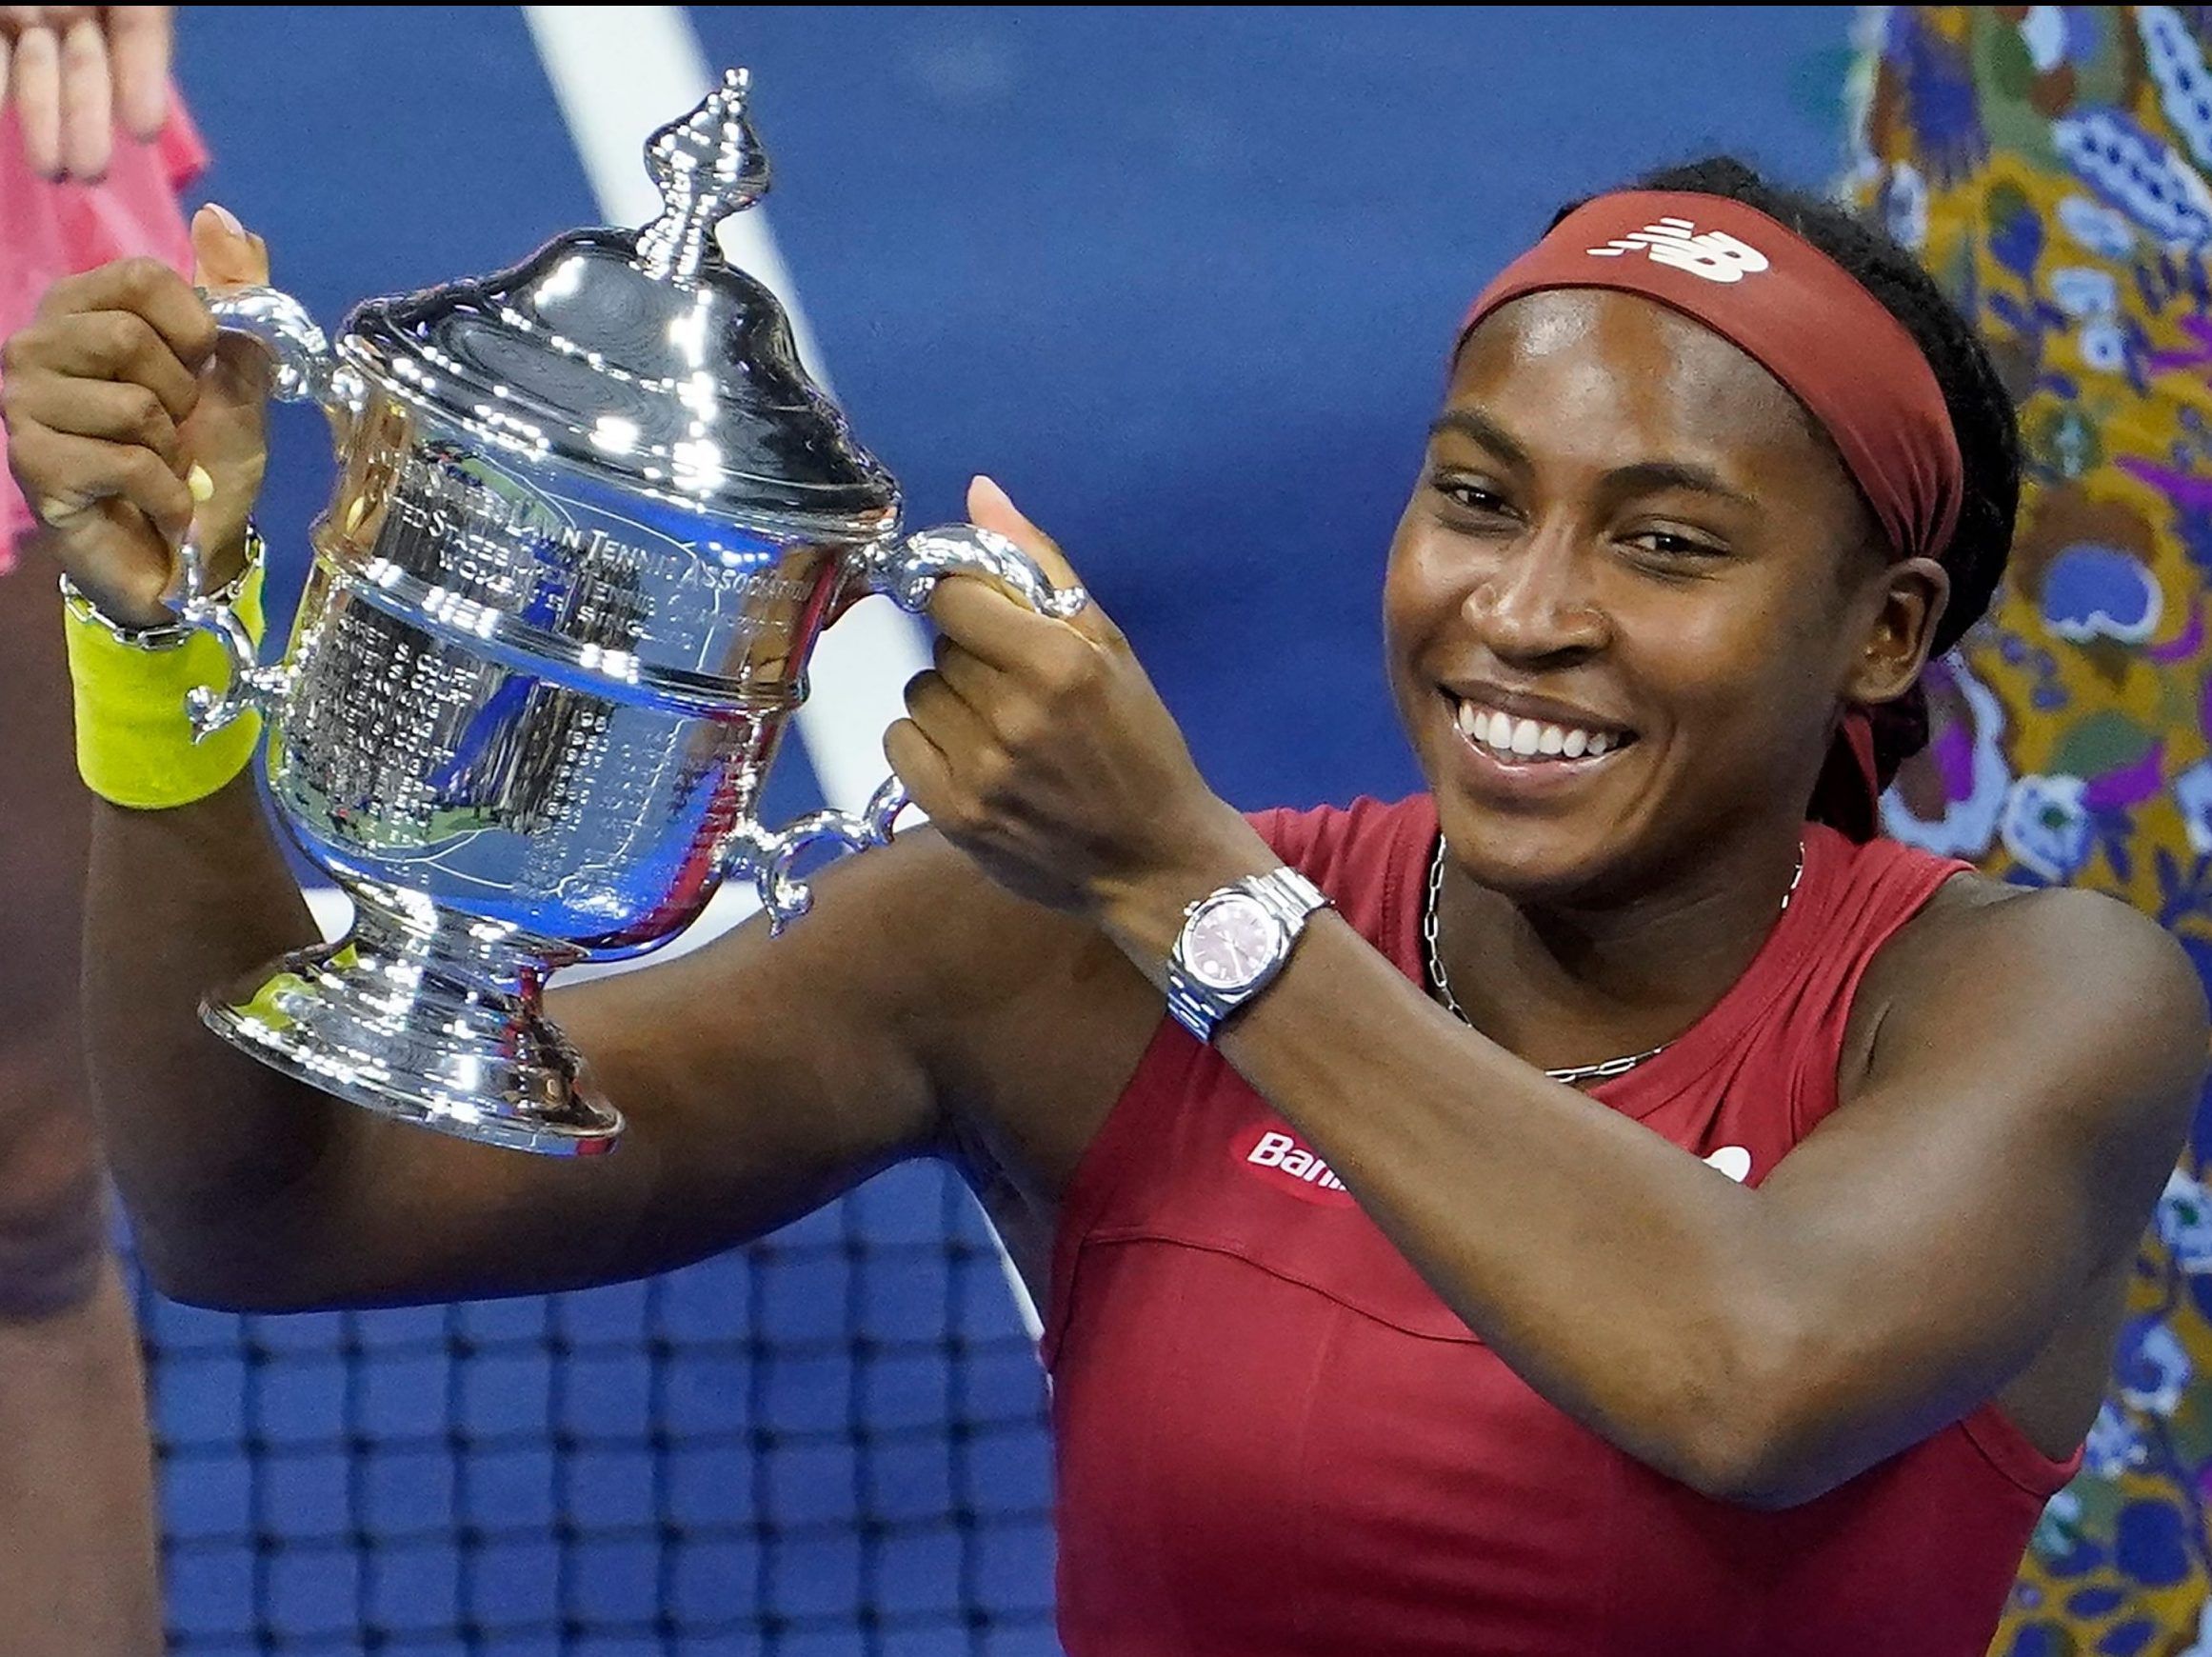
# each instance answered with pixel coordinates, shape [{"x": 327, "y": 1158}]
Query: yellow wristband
[{"x": 134, "y": 744}]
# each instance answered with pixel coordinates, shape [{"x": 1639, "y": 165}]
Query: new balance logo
[
  {"x": 1282, "y": 1162},
  {"x": 1713, "y": 254}
]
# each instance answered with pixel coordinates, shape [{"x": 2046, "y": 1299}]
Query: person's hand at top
[
  {"x": 132, "y": 420},
  {"x": 72, "y": 73}
]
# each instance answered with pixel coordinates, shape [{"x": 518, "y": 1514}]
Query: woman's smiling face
[{"x": 1631, "y": 550}]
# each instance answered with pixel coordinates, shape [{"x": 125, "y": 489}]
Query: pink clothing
[{"x": 58, "y": 230}]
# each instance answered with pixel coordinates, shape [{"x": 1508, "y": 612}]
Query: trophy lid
[{"x": 642, "y": 356}]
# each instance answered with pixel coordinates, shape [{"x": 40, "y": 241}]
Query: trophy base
[{"x": 433, "y": 1025}]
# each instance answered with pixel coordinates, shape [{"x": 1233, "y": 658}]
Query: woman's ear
[{"x": 1908, "y": 602}]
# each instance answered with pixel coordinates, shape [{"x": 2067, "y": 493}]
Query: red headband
[
  {"x": 1806, "y": 321},
  {"x": 1792, "y": 310}
]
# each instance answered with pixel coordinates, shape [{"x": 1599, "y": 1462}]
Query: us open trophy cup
[{"x": 591, "y": 516}]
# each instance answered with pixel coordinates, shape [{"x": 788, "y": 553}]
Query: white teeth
[{"x": 1525, "y": 738}]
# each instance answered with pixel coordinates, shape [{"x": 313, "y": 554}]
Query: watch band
[
  {"x": 164, "y": 635},
  {"x": 1290, "y": 898}
]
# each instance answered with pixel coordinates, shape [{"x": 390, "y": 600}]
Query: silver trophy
[{"x": 591, "y": 516}]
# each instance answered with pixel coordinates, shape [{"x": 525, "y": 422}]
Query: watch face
[{"x": 1230, "y": 942}]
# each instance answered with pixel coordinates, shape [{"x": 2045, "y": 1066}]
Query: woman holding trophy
[{"x": 1611, "y": 1202}]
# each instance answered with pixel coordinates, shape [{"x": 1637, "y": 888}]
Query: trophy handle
[
  {"x": 299, "y": 354},
  {"x": 251, "y": 686},
  {"x": 302, "y": 369},
  {"x": 908, "y": 572}
]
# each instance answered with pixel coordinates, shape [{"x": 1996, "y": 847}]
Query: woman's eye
[
  {"x": 1671, "y": 549},
  {"x": 1469, "y": 496}
]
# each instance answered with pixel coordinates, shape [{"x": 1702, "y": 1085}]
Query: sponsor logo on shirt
[
  {"x": 1275, "y": 1157},
  {"x": 1732, "y": 1160}
]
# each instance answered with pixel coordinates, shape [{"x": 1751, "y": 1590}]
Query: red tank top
[{"x": 1273, "y": 1439}]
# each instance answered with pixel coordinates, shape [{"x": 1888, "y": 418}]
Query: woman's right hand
[{"x": 117, "y": 390}]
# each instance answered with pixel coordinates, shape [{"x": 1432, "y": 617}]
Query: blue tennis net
[{"x": 830, "y": 1442}]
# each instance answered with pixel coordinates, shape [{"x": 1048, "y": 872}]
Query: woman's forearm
[
  {"x": 1608, "y": 1268},
  {"x": 201, "y": 1137}
]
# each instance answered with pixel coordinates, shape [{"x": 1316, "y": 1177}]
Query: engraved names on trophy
[
  {"x": 408, "y": 738},
  {"x": 489, "y": 542}
]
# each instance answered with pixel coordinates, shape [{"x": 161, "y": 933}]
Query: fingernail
[
  {"x": 202, "y": 485},
  {"x": 227, "y": 218},
  {"x": 991, "y": 484}
]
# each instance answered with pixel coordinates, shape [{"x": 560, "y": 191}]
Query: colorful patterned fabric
[{"x": 2050, "y": 164}]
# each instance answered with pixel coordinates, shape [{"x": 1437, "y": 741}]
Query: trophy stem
[{"x": 428, "y": 1017}]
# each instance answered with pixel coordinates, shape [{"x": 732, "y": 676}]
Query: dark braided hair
[{"x": 1980, "y": 408}]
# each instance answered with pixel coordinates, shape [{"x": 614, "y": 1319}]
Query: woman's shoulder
[
  {"x": 2009, "y": 957},
  {"x": 1972, "y": 908}
]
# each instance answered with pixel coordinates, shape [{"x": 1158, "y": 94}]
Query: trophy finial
[{"x": 708, "y": 165}]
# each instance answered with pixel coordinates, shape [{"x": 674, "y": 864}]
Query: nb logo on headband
[{"x": 1714, "y": 254}]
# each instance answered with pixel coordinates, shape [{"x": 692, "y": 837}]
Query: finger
[
  {"x": 7, "y": 59},
  {"x": 116, "y": 411},
  {"x": 973, "y": 680},
  {"x": 15, "y": 19},
  {"x": 972, "y": 704},
  {"x": 1011, "y": 637},
  {"x": 1003, "y": 632},
  {"x": 88, "y": 101},
  {"x": 106, "y": 344},
  {"x": 38, "y": 99},
  {"x": 118, "y": 559},
  {"x": 991, "y": 507},
  {"x": 138, "y": 40},
  {"x": 144, "y": 287},
  {"x": 62, "y": 474},
  {"x": 955, "y": 730},
  {"x": 224, "y": 254},
  {"x": 916, "y": 763}
]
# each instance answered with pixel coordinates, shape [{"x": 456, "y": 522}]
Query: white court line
[{"x": 618, "y": 72}]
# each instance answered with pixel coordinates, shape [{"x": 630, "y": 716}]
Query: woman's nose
[{"x": 1539, "y": 602}]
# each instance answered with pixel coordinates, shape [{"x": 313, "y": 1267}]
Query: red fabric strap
[{"x": 1795, "y": 312}]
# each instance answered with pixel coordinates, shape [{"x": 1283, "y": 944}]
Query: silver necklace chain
[{"x": 1440, "y": 982}]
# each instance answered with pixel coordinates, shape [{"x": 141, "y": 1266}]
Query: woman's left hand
[{"x": 1039, "y": 747}]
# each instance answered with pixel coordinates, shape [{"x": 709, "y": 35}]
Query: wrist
[
  {"x": 135, "y": 741},
  {"x": 1235, "y": 942},
  {"x": 1144, "y": 910},
  {"x": 226, "y": 548}
]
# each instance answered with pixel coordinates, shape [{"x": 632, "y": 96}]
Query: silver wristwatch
[{"x": 1233, "y": 941}]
